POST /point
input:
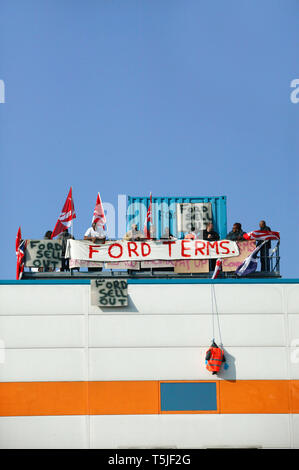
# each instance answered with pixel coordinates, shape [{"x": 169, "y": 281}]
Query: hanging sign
[
  {"x": 109, "y": 293},
  {"x": 120, "y": 250}
]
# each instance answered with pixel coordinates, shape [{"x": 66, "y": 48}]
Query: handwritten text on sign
[
  {"x": 44, "y": 253},
  {"x": 150, "y": 250},
  {"x": 106, "y": 293}
]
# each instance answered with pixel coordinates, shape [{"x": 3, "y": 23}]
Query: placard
[
  {"x": 193, "y": 216},
  {"x": 109, "y": 293},
  {"x": 134, "y": 265},
  {"x": 43, "y": 254},
  {"x": 121, "y": 250},
  {"x": 245, "y": 248},
  {"x": 191, "y": 266},
  {"x": 159, "y": 263}
]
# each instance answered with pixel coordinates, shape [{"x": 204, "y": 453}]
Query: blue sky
[{"x": 177, "y": 97}]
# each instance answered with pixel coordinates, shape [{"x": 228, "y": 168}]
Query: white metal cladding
[
  {"x": 43, "y": 432},
  {"x": 51, "y": 333},
  {"x": 191, "y": 431},
  {"x": 196, "y": 298},
  {"x": 292, "y": 296},
  {"x": 150, "y": 431},
  {"x": 34, "y": 365},
  {"x": 42, "y": 331},
  {"x": 185, "y": 330},
  {"x": 43, "y": 299},
  {"x": 185, "y": 363}
]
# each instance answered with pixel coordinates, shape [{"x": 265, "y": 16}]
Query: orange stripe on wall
[
  {"x": 294, "y": 394},
  {"x": 131, "y": 397},
  {"x": 43, "y": 398},
  {"x": 139, "y": 397},
  {"x": 254, "y": 396}
]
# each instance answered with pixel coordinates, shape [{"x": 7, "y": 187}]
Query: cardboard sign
[
  {"x": 43, "y": 254},
  {"x": 245, "y": 248},
  {"x": 121, "y": 250},
  {"x": 134, "y": 265},
  {"x": 109, "y": 293},
  {"x": 159, "y": 263},
  {"x": 191, "y": 266},
  {"x": 77, "y": 263},
  {"x": 193, "y": 216}
]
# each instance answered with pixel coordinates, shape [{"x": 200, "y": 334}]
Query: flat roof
[{"x": 154, "y": 281}]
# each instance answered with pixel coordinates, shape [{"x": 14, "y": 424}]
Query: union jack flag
[
  {"x": 148, "y": 219},
  {"x": 261, "y": 235},
  {"x": 20, "y": 252},
  {"x": 249, "y": 264},
  {"x": 67, "y": 215}
]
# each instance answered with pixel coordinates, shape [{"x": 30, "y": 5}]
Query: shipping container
[{"x": 178, "y": 214}]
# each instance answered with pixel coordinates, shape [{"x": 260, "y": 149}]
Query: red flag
[
  {"x": 99, "y": 214},
  {"x": 217, "y": 268},
  {"x": 20, "y": 252},
  {"x": 67, "y": 215},
  {"x": 261, "y": 235},
  {"x": 148, "y": 219},
  {"x": 18, "y": 240}
]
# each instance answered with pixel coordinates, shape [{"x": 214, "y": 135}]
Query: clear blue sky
[{"x": 180, "y": 97}]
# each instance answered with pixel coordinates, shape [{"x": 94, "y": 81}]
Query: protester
[
  {"x": 95, "y": 234},
  {"x": 167, "y": 235},
  {"x": 264, "y": 251},
  {"x": 134, "y": 234},
  {"x": 152, "y": 232},
  {"x": 191, "y": 235},
  {"x": 48, "y": 235},
  {"x": 64, "y": 237},
  {"x": 212, "y": 236},
  {"x": 236, "y": 234}
]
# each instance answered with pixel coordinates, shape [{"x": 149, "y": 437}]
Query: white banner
[{"x": 120, "y": 250}]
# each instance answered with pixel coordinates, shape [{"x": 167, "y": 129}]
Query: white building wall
[{"x": 52, "y": 333}]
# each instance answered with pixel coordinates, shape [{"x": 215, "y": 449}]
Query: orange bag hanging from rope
[{"x": 214, "y": 358}]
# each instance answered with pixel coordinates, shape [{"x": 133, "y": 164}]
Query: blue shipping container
[{"x": 178, "y": 214}]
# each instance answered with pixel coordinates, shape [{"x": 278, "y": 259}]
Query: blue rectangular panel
[{"x": 192, "y": 396}]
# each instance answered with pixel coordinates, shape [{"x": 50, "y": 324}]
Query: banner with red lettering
[{"x": 121, "y": 250}]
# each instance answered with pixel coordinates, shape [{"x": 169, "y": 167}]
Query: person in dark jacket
[
  {"x": 236, "y": 234},
  {"x": 64, "y": 236},
  {"x": 264, "y": 251},
  {"x": 212, "y": 236}
]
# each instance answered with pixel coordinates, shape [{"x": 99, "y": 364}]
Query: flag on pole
[
  {"x": 148, "y": 219},
  {"x": 99, "y": 214},
  {"x": 67, "y": 215},
  {"x": 249, "y": 264},
  {"x": 20, "y": 252},
  {"x": 261, "y": 235},
  {"x": 217, "y": 268}
]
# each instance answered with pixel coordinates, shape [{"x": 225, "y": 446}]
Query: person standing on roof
[
  {"x": 264, "y": 251},
  {"x": 236, "y": 234},
  {"x": 134, "y": 234},
  {"x": 212, "y": 236},
  {"x": 95, "y": 233}
]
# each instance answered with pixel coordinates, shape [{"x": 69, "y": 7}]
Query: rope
[{"x": 215, "y": 312}]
